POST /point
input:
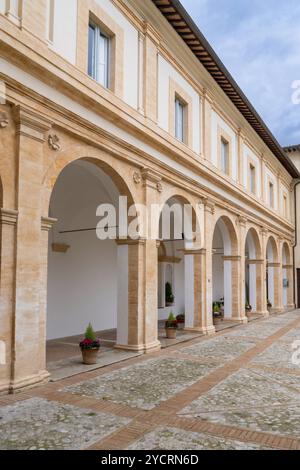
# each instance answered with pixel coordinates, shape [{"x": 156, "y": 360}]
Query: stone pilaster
[
  {"x": 31, "y": 130},
  {"x": 8, "y": 227},
  {"x": 207, "y": 102},
  {"x": 150, "y": 67},
  {"x": 242, "y": 282},
  {"x": 46, "y": 226},
  {"x": 262, "y": 278}
]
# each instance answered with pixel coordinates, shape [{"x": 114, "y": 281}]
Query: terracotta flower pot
[
  {"x": 89, "y": 356},
  {"x": 171, "y": 333}
]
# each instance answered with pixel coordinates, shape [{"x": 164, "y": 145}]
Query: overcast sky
[{"x": 259, "y": 43}]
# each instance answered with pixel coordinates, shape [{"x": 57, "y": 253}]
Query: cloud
[{"x": 259, "y": 43}]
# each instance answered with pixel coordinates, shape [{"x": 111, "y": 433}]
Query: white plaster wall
[
  {"x": 216, "y": 121},
  {"x": 247, "y": 152},
  {"x": 65, "y": 29},
  {"x": 2, "y": 6},
  {"x": 131, "y": 52},
  {"x": 82, "y": 284},
  {"x": 218, "y": 277},
  {"x": 165, "y": 72}
]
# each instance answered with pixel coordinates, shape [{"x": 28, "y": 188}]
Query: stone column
[
  {"x": 279, "y": 279},
  {"x": 232, "y": 273},
  {"x": 209, "y": 210},
  {"x": 196, "y": 309},
  {"x": 31, "y": 129},
  {"x": 137, "y": 327},
  {"x": 8, "y": 226},
  {"x": 242, "y": 289},
  {"x": 257, "y": 276},
  {"x": 262, "y": 278},
  {"x": 46, "y": 225}
]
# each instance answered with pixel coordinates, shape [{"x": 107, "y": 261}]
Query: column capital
[
  {"x": 209, "y": 205},
  {"x": 255, "y": 261},
  {"x": 273, "y": 265},
  {"x": 30, "y": 124},
  {"x": 47, "y": 223},
  {"x": 130, "y": 241},
  {"x": 232, "y": 258},
  {"x": 191, "y": 251},
  {"x": 8, "y": 217},
  {"x": 264, "y": 231}
]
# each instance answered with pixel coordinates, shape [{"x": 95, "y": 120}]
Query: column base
[
  {"x": 264, "y": 314},
  {"x": 143, "y": 348},
  {"x": 29, "y": 382},
  {"x": 205, "y": 330},
  {"x": 242, "y": 320}
]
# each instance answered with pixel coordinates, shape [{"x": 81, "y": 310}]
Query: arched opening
[
  {"x": 287, "y": 281},
  {"x": 272, "y": 274},
  {"x": 175, "y": 270},
  {"x": 253, "y": 274},
  {"x": 87, "y": 277},
  {"x": 225, "y": 270}
]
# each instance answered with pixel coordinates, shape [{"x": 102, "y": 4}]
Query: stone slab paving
[
  {"x": 237, "y": 390},
  {"x": 38, "y": 424},
  {"x": 145, "y": 385},
  {"x": 166, "y": 438}
]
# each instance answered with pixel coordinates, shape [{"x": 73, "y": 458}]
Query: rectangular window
[
  {"x": 98, "y": 55},
  {"x": 271, "y": 194},
  {"x": 252, "y": 179},
  {"x": 180, "y": 110},
  {"x": 224, "y": 156}
]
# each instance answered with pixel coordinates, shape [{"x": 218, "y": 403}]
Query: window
[
  {"x": 271, "y": 194},
  {"x": 224, "y": 156},
  {"x": 252, "y": 175},
  {"x": 180, "y": 111},
  {"x": 98, "y": 55}
]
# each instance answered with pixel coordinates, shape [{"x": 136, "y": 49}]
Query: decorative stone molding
[
  {"x": 8, "y": 217},
  {"x": 54, "y": 142},
  {"x": 152, "y": 179},
  {"x": 3, "y": 120},
  {"x": 130, "y": 241},
  {"x": 137, "y": 177},
  {"x": 232, "y": 258},
  {"x": 47, "y": 223},
  {"x": 255, "y": 261},
  {"x": 209, "y": 206},
  {"x": 169, "y": 259},
  {"x": 242, "y": 221},
  {"x": 30, "y": 124}
]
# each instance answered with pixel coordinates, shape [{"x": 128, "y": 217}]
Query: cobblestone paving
[
  {"x": 279, "y": 355},
  {"x": 163, "y": 438},
  {"x": 145, "y": 385},
  {"x": 220, "y": 350},
  {"x": 237, "y": 390},
  {"x": 38, "y": 424}
]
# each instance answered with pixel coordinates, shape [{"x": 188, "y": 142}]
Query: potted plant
[
  {"x": 180, "y": 320},
  {"x": 171, "y": 326},
  {"x": 169, "y": 295},
  {"x": 248, "y": 307},
  {"x": 89, "y": 346},
  {"x": 217, "y": 313}
]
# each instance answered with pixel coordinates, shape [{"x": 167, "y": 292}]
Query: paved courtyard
[{"x": 236, "y": 390}]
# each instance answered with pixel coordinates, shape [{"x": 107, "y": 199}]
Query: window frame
[
  {"x": 182, "y": 105},
  {"x": 252, "y": 178},
  {"x": 94, "y": 69},
  {"x": 225, "y": 164},
  {"x": 271, "y": 194}
]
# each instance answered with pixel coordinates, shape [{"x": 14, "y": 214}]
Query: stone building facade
[{"x": 108, "y": 98}]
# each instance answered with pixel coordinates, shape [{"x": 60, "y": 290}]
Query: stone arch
[
  {"x": 75, "y": 251},
  {"x": 273, "y": 267},
  {"x": 119, "y": 172},
  {"x": 253, "y": 270},
  {"x": 226, "y": 267}
]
